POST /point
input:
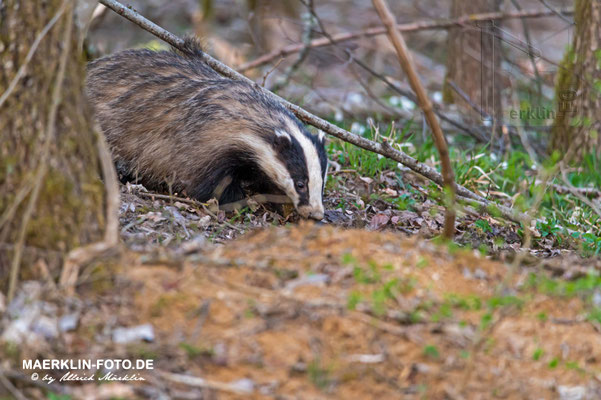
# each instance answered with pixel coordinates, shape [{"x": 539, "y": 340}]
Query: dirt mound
[{"x": 316, "y": 312}]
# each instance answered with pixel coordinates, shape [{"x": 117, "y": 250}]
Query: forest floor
[
  {"x": 310, "y": 311},
  {"x": 367, "y": 303}
]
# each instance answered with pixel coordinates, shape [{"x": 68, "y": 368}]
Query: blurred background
[{"x": 331, "y": 80}]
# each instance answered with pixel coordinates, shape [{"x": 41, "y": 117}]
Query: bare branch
[
  {"x": 559, "y": 12},
  {"x": 476, "y": 134},
  {"x": 426, "y": 105},
  {"x": 411, "y": 27},
  {"x": 538, "y": 79},
  {"x": 139, "y": 20},
  {"x": 307, "y": 35}
]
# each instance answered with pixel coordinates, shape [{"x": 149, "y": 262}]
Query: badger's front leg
[{"x": 231, "y": 193}]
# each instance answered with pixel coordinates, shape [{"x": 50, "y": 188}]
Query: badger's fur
[{"x": 169, "y": 118}]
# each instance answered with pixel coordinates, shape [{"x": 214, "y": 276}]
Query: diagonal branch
[{"x": 381, "y": 148}]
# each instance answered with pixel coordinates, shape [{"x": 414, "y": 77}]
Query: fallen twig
[
  {"x": 578, "y": 192},
  {"x": 203, "y": 383},
  {"x": 381, "y": 148},
  {"x": 84, "y": 255},
  {"x": 212, "y": 214},
  {"x": 426, "y": 105},
  {"x": 587, "y": 192},
  {"x": 411, "y": 27},
  {"x": 26, "y": 380},
  {"x": 10, "y": 388},
  {"x": 170, "y": 197}
]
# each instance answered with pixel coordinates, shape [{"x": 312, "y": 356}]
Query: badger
[{"x": 171, "y": 119}]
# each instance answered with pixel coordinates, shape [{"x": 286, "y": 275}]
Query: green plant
[
  {"x": 483, "y": 225},
  {"x": 537, "y": 354},
  {"x": 431, "y": 351},
  {"x": 318, "y": 375}
]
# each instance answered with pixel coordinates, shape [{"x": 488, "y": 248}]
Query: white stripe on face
[
  {"x": 313, "y": 167},
  {"x": 270, "y": 164}
]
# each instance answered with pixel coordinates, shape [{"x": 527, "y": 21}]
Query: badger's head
[{"x": 297, "y": 164}]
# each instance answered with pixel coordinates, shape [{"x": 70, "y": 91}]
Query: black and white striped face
[{"x": 301, "y": 168}]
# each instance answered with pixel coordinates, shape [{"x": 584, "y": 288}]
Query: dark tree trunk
[
  {"x": 578, "y": 119},
  {"x": 474, "y": 63},
  {"x": 48, "y": 156}
]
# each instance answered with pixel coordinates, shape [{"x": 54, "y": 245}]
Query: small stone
[
  {"x": 243, "y": 385},
  {"x": 315, "y": 279},
  {"x": 46, "y": 327},
  {"x": 177, "y": 216},
  {"x": 596, "y": 299},
  {"x": 68, "y": 322},
  {"x": 196, "y": 244},
  {"x": 127, "y": 335},
  {"x": 421, "y": 368},
  {"x": 480, "y": 274},
  {"x": 204, "y": 221},
  {"x": 17, "y": 331},
  {"x": 29, "y": 294},
  {"x": 367, "y": 358},
  {"x": 571, "y": 392},
  {"x": 220, "y": 354}
]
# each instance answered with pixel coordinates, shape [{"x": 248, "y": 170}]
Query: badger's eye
[{"x": 300, "y": 185}]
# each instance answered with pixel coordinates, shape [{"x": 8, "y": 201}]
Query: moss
[
  {"x": 156, "y": 310},
  {"x": 10, "y": 351},
  {"x": 145, "y": 351},
  {"x": 447, "y": 91},
  {"x": 576, "y": 67}
]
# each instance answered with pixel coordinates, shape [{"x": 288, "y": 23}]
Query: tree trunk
[
  {"x": 578, "y": 116},
  {"x": 474, "y": 63},
  {"x": 51, "y": 195},
  {"x": 270, "y": 22}
]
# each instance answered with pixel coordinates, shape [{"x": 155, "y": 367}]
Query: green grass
[
  {"x": 319, "y": 375},
  {"x": 431, "y": 351},
  {"x": 538, "y": 353},
  {"x": 383, "y": 290},
  {"x": 565, "y": 220}
]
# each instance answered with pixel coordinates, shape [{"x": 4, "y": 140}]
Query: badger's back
[{"x": 169, "y": 118}]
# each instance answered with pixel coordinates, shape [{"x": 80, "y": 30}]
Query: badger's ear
[
  {"x": 321, "y": 136},
  {"x": 282, "y": 138}
]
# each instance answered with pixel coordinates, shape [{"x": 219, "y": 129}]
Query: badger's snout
[{"x": 315, "y": 213}]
